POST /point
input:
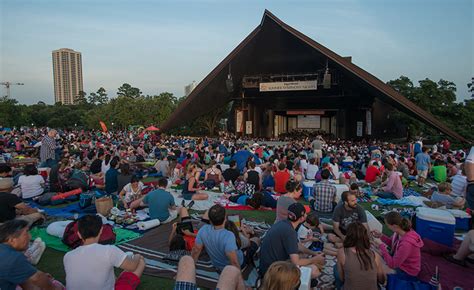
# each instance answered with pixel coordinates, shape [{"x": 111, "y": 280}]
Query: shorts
[
  {"x": 318, "y": 153},
  {"x": 423, "y": 173},
  {"x": 127, "y": 281},
  {"x": 172, "y": 217},
  {"x": 182, "y": 285}
]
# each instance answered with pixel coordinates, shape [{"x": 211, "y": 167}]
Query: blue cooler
[
  {"x": 462, "y": 219},
  {"x": 436, "y": 225},
  {"x": 308, "y": 189}
]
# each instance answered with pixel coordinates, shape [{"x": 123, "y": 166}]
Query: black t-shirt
[
  {"x": 8, "y": 202},
  {"x": 279, "y": 243},
  {"x": 96, "y": 166},
  {"x": 345, "y": 217},
  {"x": 231, "y": 174}
]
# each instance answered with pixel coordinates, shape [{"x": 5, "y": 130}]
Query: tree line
[{"x": 131, "y": 107}]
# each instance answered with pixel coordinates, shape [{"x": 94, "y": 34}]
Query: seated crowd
[{"x": 260, "y": 177}]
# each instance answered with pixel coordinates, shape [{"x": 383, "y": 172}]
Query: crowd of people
[{"x": 250, "y": 174}]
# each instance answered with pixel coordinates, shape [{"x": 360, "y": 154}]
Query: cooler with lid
[{"x": 436, "y": 225}]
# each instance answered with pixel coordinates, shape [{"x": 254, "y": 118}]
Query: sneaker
[{"x": 190, "y": 205}]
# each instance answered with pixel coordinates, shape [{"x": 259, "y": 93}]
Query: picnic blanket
[
  {"x": 53, "y": 242},
  {"x": 153, "y": 246},
  {"x": 65, "y": 211},
  {"x": 405, "y": 201},
  {"x": 451, "y": 275}
]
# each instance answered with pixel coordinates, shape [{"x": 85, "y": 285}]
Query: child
[
  {"x": 312, "y": 241},
  {"x": 443, "y": 196}
]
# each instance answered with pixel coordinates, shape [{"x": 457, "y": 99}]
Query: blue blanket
[{"x": 67, "y": 211}]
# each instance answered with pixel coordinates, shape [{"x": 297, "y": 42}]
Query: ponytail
[
  {"x": 405, "y": 225},
  {"x": 395, "y": 218}
]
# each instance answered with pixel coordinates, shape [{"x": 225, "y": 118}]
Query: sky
[{"x": 161, "y": 46}]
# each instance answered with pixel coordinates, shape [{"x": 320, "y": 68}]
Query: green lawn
[{"x": 52, "y": 260}]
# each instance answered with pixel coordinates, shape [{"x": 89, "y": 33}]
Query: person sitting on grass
[
  {"x": 405, "y": 254},
  {"x": 160, "y": 203},
  {"x": 281, "y": 244},
  {"x": 293, "y": 190},
  {"x": 358, "y": 267},
  {"x": 466, "y": 249},
  {"x": 444, "y": 198},
  {"x": 392, "y": 188},
  {"x": 307, "y": 235},
  {"x": 219, "y": 243},
  {"x": 229, "y": 279},
  {"x": 31, "y": 183},
  {"x": 91, "y": 266},
  {"x": 12, "y": 207},
  {"x": 131, "y": 192},
  {"x": 345, "y": 213},
  {"x": 282, "y": 275},
  {"x": 15, "y": 269}
]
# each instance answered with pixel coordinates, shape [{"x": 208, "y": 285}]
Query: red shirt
[
  {"x": 281, "y": 178},
  {"x": 371, "y": 174}
]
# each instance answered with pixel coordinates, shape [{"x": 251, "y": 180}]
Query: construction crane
[{"x": 8, "y": 84}]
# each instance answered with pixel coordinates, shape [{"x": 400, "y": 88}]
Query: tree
[
  {"x": 128, "y": 91},
  {"x": 211, "y": 120},
  {"x": 80, "y": 99},
  {"x": 98, "y": 98}
]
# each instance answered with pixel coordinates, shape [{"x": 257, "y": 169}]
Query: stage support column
[
  {"x": 271, "y": 124},
  {"x": 250, "y": 117},
  {"x": 256, "y": 121}
]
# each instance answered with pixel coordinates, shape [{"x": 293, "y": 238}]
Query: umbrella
[{"x": 152, "y": 128}]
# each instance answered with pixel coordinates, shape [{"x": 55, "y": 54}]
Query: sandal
[{"x": 451, "y": 259}]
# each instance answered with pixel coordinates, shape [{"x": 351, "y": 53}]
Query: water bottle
[{"x": 222, "y": 187}]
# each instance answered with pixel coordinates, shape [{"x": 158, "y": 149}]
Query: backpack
[
  {"x": 86, "y": 199},
  {"x": 72, "y": 240}
]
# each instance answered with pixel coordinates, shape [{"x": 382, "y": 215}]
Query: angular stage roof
[{"x": 271, "y": 46}]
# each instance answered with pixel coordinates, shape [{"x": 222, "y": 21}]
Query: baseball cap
[
  {"x": 296, "y": 211},
  {"x": 6, "y": 183}
]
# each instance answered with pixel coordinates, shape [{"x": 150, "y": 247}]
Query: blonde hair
[
  {"x": 444, "y": 186},
  {"x": 281, "y": 276}
]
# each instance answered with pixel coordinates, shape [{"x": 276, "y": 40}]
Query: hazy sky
[{"x": 163, "y": 45}]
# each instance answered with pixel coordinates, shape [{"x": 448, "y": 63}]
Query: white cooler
[
  {"x": 308, "y": 189},
  {"x": 373, "y": 223},
  {"x": 340, "y": 189},
  {"x": 436, "y": 225}
]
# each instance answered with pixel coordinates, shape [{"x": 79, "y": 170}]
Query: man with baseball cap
[
  {"x": 11, "y": 206},
  {"x": 281, "y": 243}
]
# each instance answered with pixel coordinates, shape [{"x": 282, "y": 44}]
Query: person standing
[
  {"x": 48, "y": 149},
  {"x": 317, "y": 146},
  {"x": 423, "y": 165}
]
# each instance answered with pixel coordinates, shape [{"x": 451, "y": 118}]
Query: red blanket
[{"x": 451, "y": 275}]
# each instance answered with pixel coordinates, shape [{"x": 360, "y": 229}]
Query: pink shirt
[{"x": 394, "y": 185}]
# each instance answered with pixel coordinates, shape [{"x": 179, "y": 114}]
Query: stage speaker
[
  {"x": 327, "y": 80},
  {"x": 229, "y": 84}
]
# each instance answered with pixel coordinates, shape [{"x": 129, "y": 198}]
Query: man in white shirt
[{"x": 91, "y": 266}]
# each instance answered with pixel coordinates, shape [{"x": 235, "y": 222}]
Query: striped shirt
[
  {"x": 324, "y": 194},
  {"x": 48, "y": 145},
  {"x": 459, "y": 184}
]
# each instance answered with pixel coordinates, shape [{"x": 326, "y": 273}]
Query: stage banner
[
  {"x": 239, "y": 117},
  {"x": 248, "y": 127},
  {"x": 289, "y": 86},
  {"x": 368, "y": 122},
  {"x": 360, "y": 126}
]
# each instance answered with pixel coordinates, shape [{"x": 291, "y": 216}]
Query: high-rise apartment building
[
  {"x": 189, "y": 88},
  {"x": 67, "y": 73}
]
